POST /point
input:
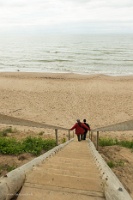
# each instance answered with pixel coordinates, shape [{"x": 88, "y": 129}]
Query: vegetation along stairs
[{"x": 73, "y": 170}]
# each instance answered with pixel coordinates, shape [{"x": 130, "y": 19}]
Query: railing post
[
  {"x": 68, "y": 134},
  {"x": 56, "y": 136},
  {"x": 97, "y": 140},
  {"x": 91, "y": 135}
]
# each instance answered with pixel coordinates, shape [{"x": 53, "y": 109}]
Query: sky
[{"x": 66, "y": 16}]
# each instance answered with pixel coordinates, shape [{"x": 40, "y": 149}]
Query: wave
[
  {"x": 47, "y": 61},
  {"x": 128, "y": 60},
  {"x": 7, "y": 64}
]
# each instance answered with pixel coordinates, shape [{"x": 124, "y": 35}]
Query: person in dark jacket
[
  {"x": 85, "y": 130},
  {"x": 79, "y": 129}
]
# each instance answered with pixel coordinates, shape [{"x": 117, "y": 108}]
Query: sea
[{"x": 80, "y": 54}]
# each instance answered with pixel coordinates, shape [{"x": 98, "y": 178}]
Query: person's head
[
  {"x": 78, "y": 120},
  {"x": 84, "y": 120}
]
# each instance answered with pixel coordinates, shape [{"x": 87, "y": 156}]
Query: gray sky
[{"x": 67, "y": 16}]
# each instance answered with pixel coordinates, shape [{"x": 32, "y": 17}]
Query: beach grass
[
  {"x": 118, "y": 163},
  {"x": 5, "y": 131},
  {"x": 7, "y": 167},
  {"x": 33, "y": 145},
  {"x": 110, "y": 142}
]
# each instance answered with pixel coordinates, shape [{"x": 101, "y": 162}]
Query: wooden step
[
  {"x": 71, "y": 174},
  {"x": 41, "y": 192}
]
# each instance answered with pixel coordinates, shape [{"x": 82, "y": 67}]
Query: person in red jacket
[{"x": 79, "y": 129}]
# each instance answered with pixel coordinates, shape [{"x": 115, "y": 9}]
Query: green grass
[
  {"x": 41, "y": 133},
  {"x": 127, "y": 144},
  {"x": 7, "y": 168},
  {"x": 111, "y": 164},
  {"x": 110, "y": 142},
  {"x": 118, "y": 163},
  {"x": 33, "y": 145},
  {"x": 63, "y": 140},
  {"x": 4, "y": 132}
]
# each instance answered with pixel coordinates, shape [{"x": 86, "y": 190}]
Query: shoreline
[{"x": 63, "y": 74}]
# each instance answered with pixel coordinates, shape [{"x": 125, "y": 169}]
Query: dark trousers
[
  {"x": 84, "y": 135},
  {"x": 79, "y": 136}
]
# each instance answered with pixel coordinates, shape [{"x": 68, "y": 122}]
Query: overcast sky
[{"x": 67, "y": 16}]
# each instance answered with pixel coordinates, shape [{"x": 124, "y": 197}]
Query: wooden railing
[
  {"x": 123, "y": 126},
  {"x": 5, "y": 119},
  {"x": 57, "y": 135}
]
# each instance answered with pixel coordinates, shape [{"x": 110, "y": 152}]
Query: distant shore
[
  {"x": 63, "y": 74},
  {"x": 59, "y": 99}
]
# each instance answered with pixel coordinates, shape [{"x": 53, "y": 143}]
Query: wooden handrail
[
  {"x": 123, "y": 126},
  {"x": 5, "y": 119}
]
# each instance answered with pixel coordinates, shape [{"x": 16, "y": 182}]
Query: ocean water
[{"x": 82, "y": 54}]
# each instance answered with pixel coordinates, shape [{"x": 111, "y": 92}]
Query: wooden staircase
[{"x": 70, "y": 174}]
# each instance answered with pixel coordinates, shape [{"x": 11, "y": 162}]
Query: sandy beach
[{"x": 59, "y": 99}]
